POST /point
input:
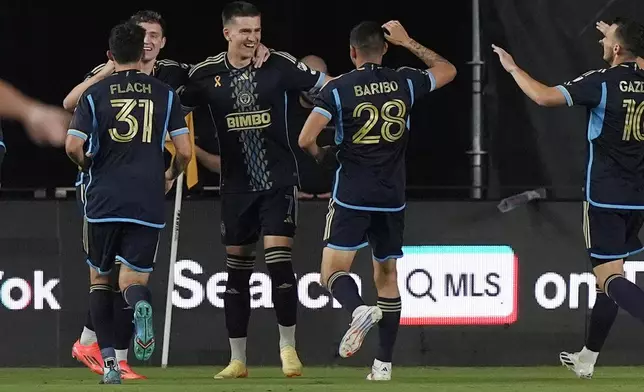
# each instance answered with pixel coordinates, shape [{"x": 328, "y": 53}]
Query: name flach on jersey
[
  {"x": 137, "y": 87},
  {"x": 375, "y": 88}
]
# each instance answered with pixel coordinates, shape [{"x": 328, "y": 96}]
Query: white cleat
[
  {"x": 576, "y": 365},
  {"x": 380, "y": 371},
  {"x": 364, "y": 318}
]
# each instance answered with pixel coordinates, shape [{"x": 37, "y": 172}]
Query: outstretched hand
[{"x": 506, "y": 59}]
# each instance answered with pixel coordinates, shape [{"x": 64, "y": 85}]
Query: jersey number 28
[{"x": 386, "y": 116}]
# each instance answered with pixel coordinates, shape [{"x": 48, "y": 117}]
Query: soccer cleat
[
  {"x": 291, "y": 364},
  {"x": 111, "y": 375},
  {"x": 576, "y": 365},
  {"x": 144, "y": 339},
  {"x": 89, "y": 356},
  {"x": 128, "y": 374},
  {"x": 364, "y": 318},
  {"x": 235, "y": 369},
  {"x": 380, "y": 371}
]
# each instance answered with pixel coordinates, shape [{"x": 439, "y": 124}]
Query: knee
[{"x": 384, "y": 277}]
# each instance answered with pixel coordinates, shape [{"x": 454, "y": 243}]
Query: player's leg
[
  {"x": 136, "y": 254},
  {"x": 278, "y": 212},
  {"x": 344, "y": 235},
  {"x": 386, "y": 238},
  {"x": 240, "y": 233},
  {"x": 85, "y": 349},
  {"x": 103, "y": 240},
  {"x": 601, "y": 320},
  {"x": 123, "y": 328}
]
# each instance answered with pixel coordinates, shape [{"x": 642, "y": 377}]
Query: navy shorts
[
  {"x": 129, "y": 244},
  {"x": 246, "y": 216},
  {"x": 611, "y": 234},
  {"x": 349, "y": 229}
]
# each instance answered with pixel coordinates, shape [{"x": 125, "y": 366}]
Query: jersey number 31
[
  {"x": 386, "y": 116},
  {"x": 125, "y": 115}
]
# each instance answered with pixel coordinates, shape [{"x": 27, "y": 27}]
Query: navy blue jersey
[
  {"x": 371, "y": 107},
  {"x": 249, "y": 110},
  {"x": 169, "y": 72},
  {"x": 614, "y": 98},
  {"x": 124, "y": 119}
]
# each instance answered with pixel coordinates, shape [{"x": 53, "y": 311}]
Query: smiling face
[
  {"x": 243, "y": 33},
  {"x": 154, "y": 40}
]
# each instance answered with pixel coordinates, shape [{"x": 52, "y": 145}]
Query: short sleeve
[
  {"x": 176, "y": 119},
  {"x": 297, "y": 75},
  {"x": 324, "y": 102},
  {"x": 585, "y": 90},
  {"x": 83, "y": 119},
  {"x": 420, "y": 82}
]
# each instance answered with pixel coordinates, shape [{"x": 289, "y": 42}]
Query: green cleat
[{"x": 144, "y": 340}]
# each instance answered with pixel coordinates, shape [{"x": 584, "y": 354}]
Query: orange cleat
[
  {"x": 90, "y": 356},
  {"x": 128, "y": 374}
]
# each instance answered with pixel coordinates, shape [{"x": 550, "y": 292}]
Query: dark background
[{"x": 47, "y": 48}]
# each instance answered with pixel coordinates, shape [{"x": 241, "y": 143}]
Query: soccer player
[
  {"x": 124, "y": 118},
  {"x": 315, "y": 180},
  {"x": 370, "y": 107},
  {"x": 258, "y": 173},
  {"x": 45, "y": 124},
  {"x": 174, "y": 74},
  {"x": 612, "y": 213}
]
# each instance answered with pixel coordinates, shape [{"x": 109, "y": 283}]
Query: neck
[
  {"x": 148, "y": 66},
  {"x": 360, "y": 61},
  {"x": 623, "y": 59},
  {"x": 127, "y": 67},
  {"x": 237, "y": 60}
]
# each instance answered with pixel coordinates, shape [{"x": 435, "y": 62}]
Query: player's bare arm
[
  {"x": 541, "y": 94},
  {"x": 74, "y": 149},
  {"x": 210, "y": 161},
  {"x": 71, "y": 100},
  {"x": 313, "y": 126},
  {"x": 443, "y": 70},
  {"x": 43, "y": 123}
]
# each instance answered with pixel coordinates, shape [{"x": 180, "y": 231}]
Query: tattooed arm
[{"x": 442, "y": 70}]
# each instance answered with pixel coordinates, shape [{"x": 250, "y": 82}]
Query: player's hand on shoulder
[
  {"x": 395, "y": 33},
  {"x": 506, "y": 59},
  {"x": 107, "y": 70},
  {"x": 262, "y": 53}
]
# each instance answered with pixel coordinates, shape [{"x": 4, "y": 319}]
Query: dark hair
[
  {"x": 126, "y": 42},
  {"x": 630, "y": 35},
  {"x": 237, "y": 9},
  {"x": 148, "y": 16},
  {"x": 368, "y": 38}
]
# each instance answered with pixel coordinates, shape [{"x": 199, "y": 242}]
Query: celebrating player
[
  {"x": 258, "y": 173},
  {"x": 612, "y": 215},
  {"x": 125, "y": 117},
  {"x": 370, "y": 107},
  {"x": 85, "y": 349}
]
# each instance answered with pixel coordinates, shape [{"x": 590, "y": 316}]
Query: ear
[
  {"x": 386, "y": 49},
  {"x": 227, "y": 34},
  {"x": 162, "y": 43},
  {"x": 352, "y": 52},
  {"x": 109, "y": 55}
]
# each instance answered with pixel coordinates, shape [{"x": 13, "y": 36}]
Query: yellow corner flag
[{"x": 192, "y": 178}]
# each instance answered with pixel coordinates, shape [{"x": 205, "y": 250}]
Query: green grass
[{"x": 192, "y": 379}]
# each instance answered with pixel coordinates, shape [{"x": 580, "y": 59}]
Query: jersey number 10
[
  {"x": 633, "y": 121},
  {"x": 389, "y": 120},
  {"x": 125, "y": 115}
]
